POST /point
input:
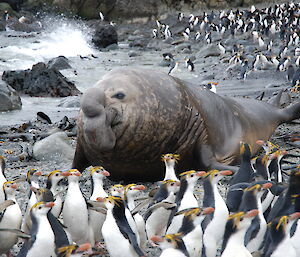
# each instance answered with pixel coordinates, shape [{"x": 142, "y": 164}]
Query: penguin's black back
[
  {"x": 124, "y": 227},
  {"x": 28, "y": 244}
]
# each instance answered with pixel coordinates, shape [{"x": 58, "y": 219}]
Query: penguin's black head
[{"x": 245, "y": 150}]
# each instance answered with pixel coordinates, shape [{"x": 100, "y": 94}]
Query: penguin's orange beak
[
  {"x": 140, "y": 187},
  {"x": 295, "y": 215},
  {"x": 14, "y": 186},
  {"x": 105, "y": 173},
  {"x": 260, "y": 142},
  {"x": 267, "y": 185},
  {"x": 201, "y": 173},
  {"x": 50, "y": 204},
  {"x": 84, "y": 247},
  {"x": 251, "y": 213},
  {"x": 37, "y": 173},
  {"x": 156, "y": 239},
  {"x": 208, "y": 210},
  {"x": 226, "y": 172},
  {"x": 100, "y": 199}
]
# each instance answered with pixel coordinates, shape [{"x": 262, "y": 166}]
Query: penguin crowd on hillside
[
  {"x": 248, "y": 40},
  {"x": 258, "y": 214}
]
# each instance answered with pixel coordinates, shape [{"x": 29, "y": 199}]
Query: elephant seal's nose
[{"x": 92, "y": 102}]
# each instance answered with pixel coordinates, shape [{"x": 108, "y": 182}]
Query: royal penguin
[
  {"x": 170, "y": 161},
  {"x": 279, "y": 235},
  {"x": 256, "y": 232},
  {"x": 53, "y": 178},
  {"x": 42, "y": 241},
  {"x": 289, "y": 199},
  {"x": 171, "y": 245},
  {"x": 246, "y": 171},
  {"x": 11, "y": 218},
  {"x": 32, "y": 179},
  {"x": 157, "y": 215},
  {"x": 75, "y": 209},
  {"x": 214, "y": 225},
  {"x": 236, "y": 228},
  {"x": 189, "y": 64},
  {"x": 118, "y": 236},
  {"x": 191, "y": 229},
  {"x": 118, "y": 190},
  {"x": 131, "y": 191},
  {"x": 62, "y": 237},
  {"x": 96, "y": 219},
  {"x": 2, "y": 178},
  {"x": 185, "y": 198}
]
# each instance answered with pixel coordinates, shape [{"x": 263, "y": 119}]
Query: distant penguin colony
[
  {"x": 258, "y": 214},
  {"x": 274, "y": 32}
]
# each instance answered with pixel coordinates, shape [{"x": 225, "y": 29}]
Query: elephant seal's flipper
[
  {"x": 80, "y": 162},
  {"x": 290, "y": 113}
]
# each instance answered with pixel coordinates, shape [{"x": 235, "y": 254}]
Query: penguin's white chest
[
  {"x": 235, "y": 245},
  {"x": 193, "y": 242},
  {"x": 117, "y": 245},
  {"x": 170, "y": 252},
  {"x": 296, "y": 237},
  {"x": 156, "y": 223},
  {"x": 12, "y": 218},
  {"x": 44, "y": 245},
  {"x": 285, "y": 249},
  {"x": 188, "y": 201},
  {"x": 75, "y": 214}
]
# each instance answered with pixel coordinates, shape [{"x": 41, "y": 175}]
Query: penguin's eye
[
  {"x": 119, "y": 96},
  {"x": 172, "y": 184},
  {"x": 169, "y": 240},
  {"x": 56, "y": 174},
  {"x": 40, "y": 207},
  {"x": 192, "y": 175}
]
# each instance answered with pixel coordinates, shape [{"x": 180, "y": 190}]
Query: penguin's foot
[{"x": 99, "y": 245}]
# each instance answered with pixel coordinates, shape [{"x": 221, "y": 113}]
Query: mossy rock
[{"x": 6, "y": 7}]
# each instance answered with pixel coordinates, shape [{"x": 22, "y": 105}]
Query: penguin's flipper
[
  {"x": 18, "y": 232},
  {"x": 61, "y": 238},
  {"x": 252, "y": 231},
  {"x": 60, "y": 192},
  {"x": 185, "y": 211},
  {"x": 6, "y": 204},
  {"x": 166, "y": 205},
  {"x": 99, "y": 209},
  {"x": 95, "y": 204},
  {"x": 140, "y": 205},
  {"x": 127, "y": 232}
]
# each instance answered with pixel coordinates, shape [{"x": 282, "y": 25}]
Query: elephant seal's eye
[{"x": 118, "y": 96}]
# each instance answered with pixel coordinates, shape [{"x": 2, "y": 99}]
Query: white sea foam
[{"x": 60, "y": 37}]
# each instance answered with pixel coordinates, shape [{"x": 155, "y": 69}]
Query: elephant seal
[{"x": 133, "y": 116}]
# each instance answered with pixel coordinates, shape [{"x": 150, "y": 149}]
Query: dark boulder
[
  {"x": 15, "y": 4},
  {"x": 59, "y": 63},
  {"x": 24, "y": 27},
  {"x": 2, "y": 25},
  {"x": 104, "y": 36},
  {"x": 40, "y": 81},
  {"x": 9, "y": 98}
]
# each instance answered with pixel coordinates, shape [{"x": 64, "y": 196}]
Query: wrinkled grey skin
[{"x": 160, "y": 114}]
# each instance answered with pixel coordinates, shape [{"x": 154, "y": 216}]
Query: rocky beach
[{"x": 47, "y": 62}]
